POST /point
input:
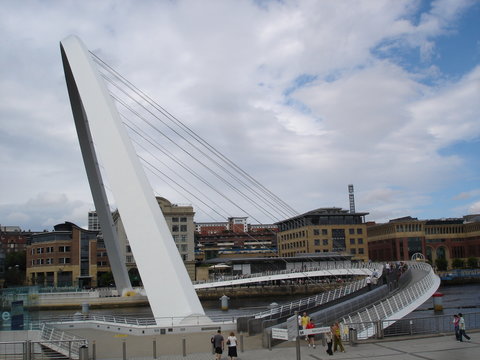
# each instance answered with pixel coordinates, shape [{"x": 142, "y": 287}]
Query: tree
[
  {"x": 441, "y": 264},
  {"x": 458, "y": 263},
  {"x": 472, "y": 263},
  {"x": 15, "y": 263}
]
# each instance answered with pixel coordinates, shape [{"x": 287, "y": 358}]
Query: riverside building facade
[
  {"x": 399, "y": 239},
  {"x": 67, "y": 256},
  {"x": 324, "y": 230},
  {"x": 235, "y": 238},
  {"x": 179, "y": 219}
]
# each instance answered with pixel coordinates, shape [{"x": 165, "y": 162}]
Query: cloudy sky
[{"x": 306, "y": 96}]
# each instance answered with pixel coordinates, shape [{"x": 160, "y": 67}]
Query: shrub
[
  {"x": 472, "y": 263},
  {"x": 458, "y": 263},
  {"x": 441, "y": 264}
]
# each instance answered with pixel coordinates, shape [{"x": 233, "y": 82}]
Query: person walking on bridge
[
  {"x": 461, "y": 326},
  {"x": 337, "y": 338}
]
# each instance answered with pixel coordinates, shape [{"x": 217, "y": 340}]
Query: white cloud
[{"x": 231, "y": 71}]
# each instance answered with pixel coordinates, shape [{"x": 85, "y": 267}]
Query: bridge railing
[
  {"x": 60, "y": 341},
  {"x": 331, "y": 265},
  {"x": 435, "y": 324},
  {"x": 131, "y": 320},
  {"x": 387, "y": 309}
]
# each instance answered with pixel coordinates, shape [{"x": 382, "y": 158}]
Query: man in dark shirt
[{"x": 217, "y": 341}]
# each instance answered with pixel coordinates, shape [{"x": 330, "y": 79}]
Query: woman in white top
[{"x": 232, "y": 346}]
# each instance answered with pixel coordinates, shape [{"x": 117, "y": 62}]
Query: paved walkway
[{"x": 435, "y": 348}]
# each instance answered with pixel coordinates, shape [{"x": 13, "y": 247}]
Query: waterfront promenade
[{"x": 443, "y": 347}]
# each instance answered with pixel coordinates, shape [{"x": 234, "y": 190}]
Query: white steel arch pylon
[{"x": 169, "y": 289}]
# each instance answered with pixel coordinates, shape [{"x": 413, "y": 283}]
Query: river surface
[{"x": 457, "y": 298}]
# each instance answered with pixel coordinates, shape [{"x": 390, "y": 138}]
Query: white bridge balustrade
[
  {"x": 422, "y": 284},
  {"x": 312, "y": 301},
  {"x": 330, "y": 269}
]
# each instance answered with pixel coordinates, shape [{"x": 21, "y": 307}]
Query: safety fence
[
  {"x": 398, "y": 304},
  {"x": 437, "y": 324}
]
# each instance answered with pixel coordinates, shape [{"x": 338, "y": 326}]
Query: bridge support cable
[
  {"x": 185, "y": 128},
  {"x": 155, "y": 116},
  {"x": 147, "y": 111}
]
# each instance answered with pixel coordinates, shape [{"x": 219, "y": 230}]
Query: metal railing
[
  {"x": 396, "y": 304},
  {"x": 312, "y": 301},
  {"x": 436, "y": 324},
  {"x": 133, "y": 320},
  {"x": 330, "y": 265},
  {"x": 39, "y": 350}
]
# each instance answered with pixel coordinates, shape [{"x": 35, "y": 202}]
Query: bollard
[
  {"x": 241, "y": 343},
  {"x": 94, "y": 350},
  {"x": 124, "y": 349},
  {"x": 224, "y": 302},
  {"x": 83, "y": 352},
  {"x": 437, "y": 302},
  {"x": 184, "y": 347},
  {"x": 269, "y": 340},
  {"x": 379, "y": 328},
  {"x": 85, "y": 308},
  {"x": 154, "y": 348},
  {"x": 352, "y": 336},
  {"x": 28, "y": 350}
]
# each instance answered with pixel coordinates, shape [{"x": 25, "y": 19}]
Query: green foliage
[
  {"x": 458, "y": 263},
  {"x": 472, "y": 263},
  {"x": 105, "y": 279},
  {"x": 441, "y": 264}
]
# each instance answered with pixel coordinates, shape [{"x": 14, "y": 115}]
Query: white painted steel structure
[
  {"x": 167, "y": 285},
  {"x": 327, "y": 270},
  {"x": 420, "y": 288}
]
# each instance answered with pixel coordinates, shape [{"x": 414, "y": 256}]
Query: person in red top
[{"x": 311, "y": 337}]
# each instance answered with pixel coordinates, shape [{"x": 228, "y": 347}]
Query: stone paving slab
[{"x": 429, "y": 348}]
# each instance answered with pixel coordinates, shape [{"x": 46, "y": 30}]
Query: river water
[{"x": 457, "y": 298}]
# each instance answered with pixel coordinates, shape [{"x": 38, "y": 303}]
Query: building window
[
  {"x": 49, "y": 249},
  {"x": 351, "y": 231},
  {"x": 324, "y": 232},
  {"x": 325, "y": 241},
  {"x": 175, "y": 228},
  {"x": 316, "y": 232},
  {"x": 360, "y": 241},
  {"x": 184, "y": 238},
  {"x": 183, "y": 219},
  {"x": 64, "y": 260},
  {"x": 317, "y": 242},
  {"x": 359, "y": 231},
  {"x": 353, "y": 251},
  {"x": 352, "y": 241},
  {"x": 129, "y": 249},
  {"x": 183, "y": 228},
  {"x": 361, "y": 251},
  {"x": 175, "y": 238},
  {"x": 183, "y": 248},
  {"x": 39, "y": 250},
  {"x": 175, "y": 219},
  {"x": 64, "y": 249}
]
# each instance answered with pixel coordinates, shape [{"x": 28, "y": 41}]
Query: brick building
[
  {"x": 324, "y": 230},
  {"x": 399, "y": 239},
  {"x": 234, "y": 238},
  {"x": 67, "y": 256}
]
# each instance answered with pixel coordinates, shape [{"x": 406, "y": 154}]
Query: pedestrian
[
  {"x": 329, "y": 339},
  {"x": 461, "y": 327},
  {"x": 337, "y": 338},
  {"x": 456, "y": 320},
  {"x": 311, "y": 337},
  {"x": 305, "y": 321},
  {"x": 218, "y": 344},
  {"x": 232, "y": 346}
]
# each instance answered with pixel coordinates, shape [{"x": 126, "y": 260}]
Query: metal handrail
[{"x": 393, "y": 304}]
